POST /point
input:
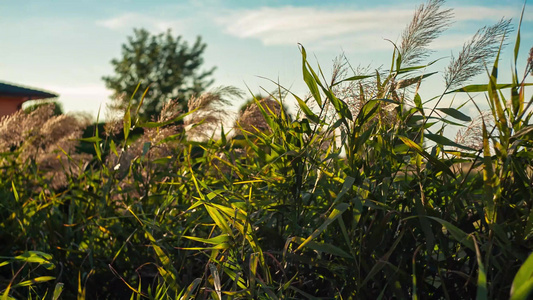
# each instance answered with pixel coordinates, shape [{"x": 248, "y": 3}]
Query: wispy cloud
[
  {"x": 288, "y": 25},
  {"x": 89, "y": 90},
  {"x": 326, "y": 27},
  {"x": 137, "y": 20}
]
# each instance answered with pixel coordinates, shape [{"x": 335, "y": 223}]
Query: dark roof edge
[{"x": 13, "y": 89}]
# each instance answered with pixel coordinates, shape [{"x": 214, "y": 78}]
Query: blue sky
[{"x": 66, "y": 46}]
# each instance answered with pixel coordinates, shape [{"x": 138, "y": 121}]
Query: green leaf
[
  {"x": 454, "y": 113},
  {"x": 444, "y": 141},
  {"x": 93, "y": 139},
  {"x": 337, "y": 212},
  {"x": 482, "y": 293},
  {"x": 35, "y": 257},
  {"x": 168, "y": 272},
  {"x": 324, "y": 247},
  {"x": 340, "y": 106},
  {"x": 479, "y": 88},
  {"x": 308, "y": 112},
  {"x": 526, "y": 130},
  {"x": 127, "y": 123},
  {"x": 34, "y": 281},
  {"x": 410, "y": 69},
  {"x": 433, "y": 160},
  {"x": 347, "y": 185},
  {"x": 191, "y": 288},
  {"x": 58, "y": 290},
  {"x": 15, "y": 193},
  {"x": 354, "y": 78},
  {"x": 418, "y": 102},
  {"x": 522, "y": 286},
  {"x": 456, "y": 233},
  {"x": 491, "y": 187},
  {"x": 146, "y": 148},
  {"x": 310, "y": 78},
  {"x": 223, "y": 238}
]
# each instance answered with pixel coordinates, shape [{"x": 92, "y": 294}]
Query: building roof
[{"x": 10, "y": 90}]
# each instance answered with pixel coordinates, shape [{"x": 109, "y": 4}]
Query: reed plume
[
  {"x": 478, "y": 52},
  {"x": 428, "y": 22},
  {"x": 210, "y": 110},
  {"x": 48, "y": 140}
]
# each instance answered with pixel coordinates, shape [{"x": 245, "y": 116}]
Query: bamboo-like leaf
[
  {"x": 58, "y": 290},
  {"x": 308, "y": 112},
  {"x": 340, "y": 106},
  {"x": 216, "y": 280},
  {"x": 414, "y": 68},
  {"x": 418, "y": 102},
  {"x": 221, "y": 246},
  {"x": 495, "y": 101},
  {"x": 452, "y": 112},
  {"x": 382, "y": 262},
  {"x": 524, "y": 131},
  {"x": 142, "y": 98},
  {"x": 15, "y": 193},
  {"x": 489, "y": 180},
  {"x": 223, "y": 238},
  {"x": 93, "y": 139},
  {"x": 456, "y": 233},
  {"x": 168, "y": 272},
  {"x": 517, "y": 98},
  {"x": 346, "y": 186},
  {"x": 33, "y": 281},
  {"x": 522, "y": 287},
  {"x": 39, "y": 257},
  {"x": 481, "y": 88},
  {"x": 353, "y": 78},
  {"x": 444, "y": 141},
  {"x": 191, "y": 288},
  {"x": 439, "y": 165},
  {"x": 310, "y": 78},
  {"x": 337, "y": 212},
  {"x": 482, "y": 292},
  {"x": 219, "y": 219},
  {"x": 324, "y": 247},
  {"x": 127, "y": 123}
]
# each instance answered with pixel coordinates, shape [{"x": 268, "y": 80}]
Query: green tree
[{"x": 164, "y": 63}]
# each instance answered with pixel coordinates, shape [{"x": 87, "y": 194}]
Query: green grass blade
[
  {"x": 310, "y": 79},
  {"x": 522, "y": 286},
  {"x": 58, "y": 290},
  {"x": 337, "y": 212},
  {"x": 452, "y": 112},
  {"x": 482, "y": 292},
  {"x": 458, "y": 234},
  {"x": 439, "y": 165}
]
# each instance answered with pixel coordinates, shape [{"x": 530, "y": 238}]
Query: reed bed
[{"x": 356, "y": 196}]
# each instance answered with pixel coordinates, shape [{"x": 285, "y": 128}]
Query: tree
[{"x": 167, "y": 65}]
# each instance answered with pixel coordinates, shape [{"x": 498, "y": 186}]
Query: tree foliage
[{"x": 165, "y": 64}]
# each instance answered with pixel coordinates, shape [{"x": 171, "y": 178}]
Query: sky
[{"x": 66, "y": 46}]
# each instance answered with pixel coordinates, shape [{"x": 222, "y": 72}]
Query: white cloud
[
  {"x": 480, "y": 13},
  {"x": 289, "y": 25},
  {"x": 320, "y": 27},
  {"x": 137, "y": 20}
]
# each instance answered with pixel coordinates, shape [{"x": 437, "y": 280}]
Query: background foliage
[{"x": 166, "y": 63}]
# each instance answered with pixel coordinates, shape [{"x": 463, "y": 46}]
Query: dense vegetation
[{"x": 360, "y": 194}]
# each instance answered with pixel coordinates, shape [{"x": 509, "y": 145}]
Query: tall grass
[{"x": 365, "y": 203}]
